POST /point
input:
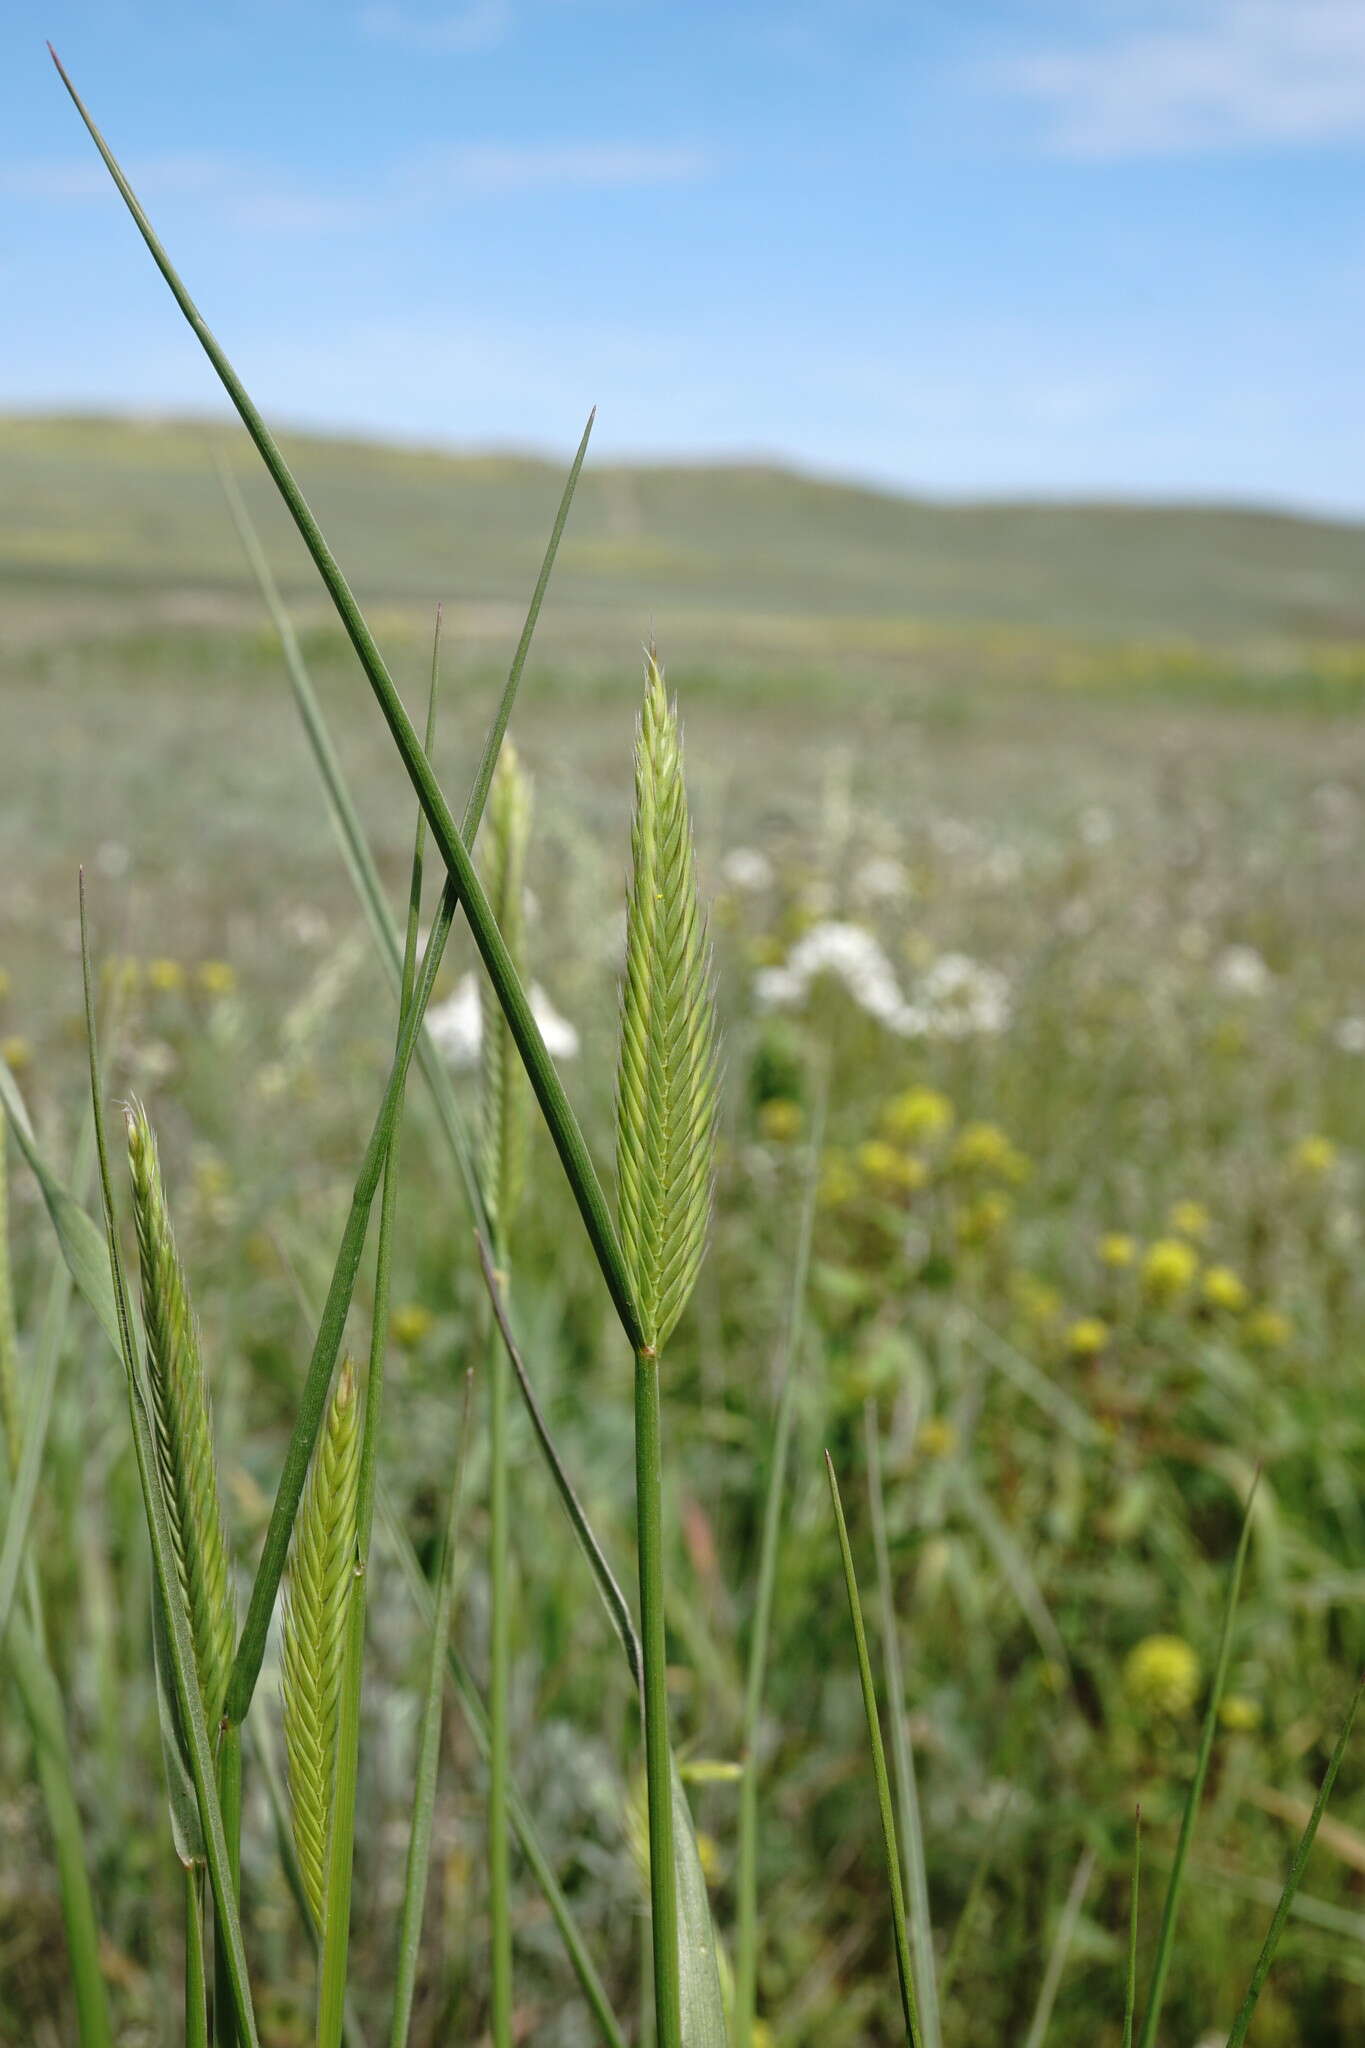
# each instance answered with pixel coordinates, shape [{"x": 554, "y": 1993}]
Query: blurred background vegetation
[{"x": 1037, "y": 828}]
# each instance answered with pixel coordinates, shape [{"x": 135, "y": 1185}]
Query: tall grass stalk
[
  {"x": 503, "y": 1147},
  {"x": 1067, "y": 1923},
  {"x": 523, "y": 1826},
  {"x": 341, "y": 1851},
  {"x": 665, "y": 1151},
  {"x": 1175, "y": 1883},
  {"x": 746, "y": 1876},
  {"x": 1130, "y": 1982},
  {"x": 902, "y": 1752},
  {"x": 428, "y": 1750},
  {"x": 904, "y": 1968}
]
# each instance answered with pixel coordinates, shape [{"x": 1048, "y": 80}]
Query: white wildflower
[
  {"x": 744, "y": 867},
  {"x": 959, "y": 998},
  {"x": 1349, "y": 1035},
  {"x": 1095, "y": 825},
  {"x": 456, "y": 1025},
  {"x": 1240, "y": 971},
  {"x": 882, "y": 879},
  {"x": 561, "y": 1037}
]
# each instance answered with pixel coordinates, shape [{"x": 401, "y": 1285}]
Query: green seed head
[
  {"x": 667, "y": 1074},
  {"x": 182, "y": 1421},
  {"x": 318, "y": 1593}
]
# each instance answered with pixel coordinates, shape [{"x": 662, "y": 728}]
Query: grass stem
[{"x": 663, "y": 1891}]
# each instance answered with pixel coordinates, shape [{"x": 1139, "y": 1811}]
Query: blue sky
[{"x": 973, "y": 246}]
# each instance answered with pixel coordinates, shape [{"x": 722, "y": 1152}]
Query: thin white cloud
[
  {"x": 254, "y": 195},
  {"x": 1231, "y": 74},
  {"x": 497, "y": 167},
  {"x": 481, "y": 25}
]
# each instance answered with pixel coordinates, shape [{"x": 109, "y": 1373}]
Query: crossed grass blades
[{"x": 667, "y": 1087}]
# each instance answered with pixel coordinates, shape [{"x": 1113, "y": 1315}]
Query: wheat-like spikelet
[
  {"x": 666, "y": 1079},
  {"x": 9, "y": 1343},
  {"x": 183, "y": 1423},
  {"x": 318, "y": 1593},
  {"x": 504, "y": 1097}
]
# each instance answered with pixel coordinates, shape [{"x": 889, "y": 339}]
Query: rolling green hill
[{"x": 113, "y": 520}]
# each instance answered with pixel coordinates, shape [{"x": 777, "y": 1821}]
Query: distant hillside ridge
[{"x": 113, "y": 504}]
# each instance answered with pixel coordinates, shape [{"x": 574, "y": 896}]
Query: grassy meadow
[{"x": 1032, "y": 837}]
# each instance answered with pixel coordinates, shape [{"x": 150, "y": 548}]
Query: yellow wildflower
[
  {"x": 780, "y": 1119},
  {"x": 838, "y": 1183},
  {"x": 1224, "y": 1289},
  {"x": 982, "y": 1148},
  {"x": 1266, "y": 1329},
  {"x": 165, "y": 975},
  {"x": 1189, "y": 1219},
  {"x": 1087, "y": 1337},
  {"x": 1168, "y": 1268},
  {"x": 1313, "y": 1157},
  {"x": 1117, "y": 1250},
  {"x": 1239, "y": 1713},
  {"x": 1037, "y": 1300},
  {"x": 979, "y": 1221},
  {"x": 889, "y": 1168},
  {"x": 918, "y": 1112},
  {"x": 216, "y": 977},
  {"x": 937, "y": 1438},
  {"x": 15, "y": 1051},
  {"x": 1161, "y": 1676},
  {"x": 410, "y": 1324}
]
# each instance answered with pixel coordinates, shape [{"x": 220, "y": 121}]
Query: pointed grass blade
[
  {"x": 1175, "y": 1883},
  {"x": 327, "y": 1345},
  {"x": 1067, "y": 1924},
  {"x": 904, "y": 1969},
  {"x": 1130, "y": 1986},
  {"x": 545, "y": 1082},
  {"x": 1296, "y": 1869},
  {"x": 341, "y": 1845},
  {"x": 902, "y": 1755}
]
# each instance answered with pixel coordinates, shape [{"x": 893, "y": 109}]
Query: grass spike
[
  {"x": 183, "y": 1422},
  {"x": 667, "y": 1072},
  {"x": 317, "y": 1599}
]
